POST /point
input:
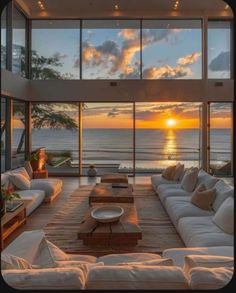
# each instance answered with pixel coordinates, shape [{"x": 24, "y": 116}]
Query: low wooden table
[
  {"x": 126, "y": 231},
  {"x": 104, "y": 192},
  {"x": 114, "y": 178},
  {"x": 13, "y": 220}
]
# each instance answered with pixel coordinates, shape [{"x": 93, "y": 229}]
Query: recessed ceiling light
[
  {"x": 226, "y": 6},
  {"x": 116, "y": 7},
  {"x": 39, "y": 2}
]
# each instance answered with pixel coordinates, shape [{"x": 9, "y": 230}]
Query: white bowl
[{"x": 106, "y": 214}]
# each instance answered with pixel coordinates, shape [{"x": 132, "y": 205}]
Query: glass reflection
[{"x": 169, "y": 149}]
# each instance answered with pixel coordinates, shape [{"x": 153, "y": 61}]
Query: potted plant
[
  {"x": 92, "y": 171},
  {"x": 7, "y": 197}
]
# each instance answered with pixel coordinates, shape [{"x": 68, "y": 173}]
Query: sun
[{"x": 170, "y": 122}]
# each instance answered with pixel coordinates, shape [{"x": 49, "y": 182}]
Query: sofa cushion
[
  {"x": 36, "y": 197},
  {"x": 113, "y": 259},
  {"x": 45, "y": 279},
  {"x": 179, "y": 171},
  {"x": 26, "y": 245},
  {"x": 82, "y": 258},
  {"x": 22, "y": 171},
  {"x": 51, "y": 186},
  {"x": 153, "y": 262},
  {"x": 20, "y": 181},
  {"x": 223, "y": 191},
  {"x": 206, "y": 261},
  {"x": 181, "y": 206},
  {"x": 210, "y": 278},
  {"x": 158, "y": 180},
  {"x": 203, "y": 198},
  {"x": 224, "y": 217},
  {"x": 206, "y": 178},
  {"x": 201, "y": 231},
  {"x": 136, "y": 277},
  {"x": 11, "y": 262},
  {"x": 173, "y": 192},
  {"x": 189, "y": 180},
  {"x": 178, "y": 254}
]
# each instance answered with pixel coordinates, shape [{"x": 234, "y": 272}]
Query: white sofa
[
  {"x": 53, "y": 269},
  {"x": 41, "y": 190},
  {"x": 195, "y": 225}
]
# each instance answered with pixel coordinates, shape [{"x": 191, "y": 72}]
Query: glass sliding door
[
  {"x": 3, "y": 38},
  {"x": 221, "y": 143},
  {"x": 18, "y": 133},
  {"x": 55, "y": 126},
  {"x": 166, "y": 133},
  {"x": 3, "y": 133},
  {"x": 108, "y": 137}
]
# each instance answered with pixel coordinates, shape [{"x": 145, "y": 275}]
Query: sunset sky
[{"x": 148, "y": 115}]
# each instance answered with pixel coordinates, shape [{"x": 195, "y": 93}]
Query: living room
[{"x": 119, "y": 109}]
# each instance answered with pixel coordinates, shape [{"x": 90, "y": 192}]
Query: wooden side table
[
  {"x": 12, "y": 220},
  {"x": 40, "y": 174}
]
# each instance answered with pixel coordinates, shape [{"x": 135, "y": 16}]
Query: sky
[{"x": 169, "y": 52}]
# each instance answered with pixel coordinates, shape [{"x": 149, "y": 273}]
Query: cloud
[
  {"x": 113, "y": 113},
  {"x": 221, "y": 62},
  {"x": 166, "y": 71},
  {"x": 189, "y": 59},
  {"x": 119, "y": 58}
]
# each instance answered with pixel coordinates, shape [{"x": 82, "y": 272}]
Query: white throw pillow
[
  {"x": 189, "y": 180},
  {"x": 48, "y": 255},
  {"x": 224, "y": 217},
  {"x": 154, "y": 262},
  {"x": 12, "y": 262},
  {"x": 45, "y": 279},
  {"x": 206, "y": 261},
  {"x": 179, "y": 170},
  {"x": 210, "y": 278},
  {"x": 28, "y": 169},
  {"x": 20, "y": 181}
]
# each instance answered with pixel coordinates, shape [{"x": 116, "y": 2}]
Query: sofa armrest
[{"x": 42, "y": 279}]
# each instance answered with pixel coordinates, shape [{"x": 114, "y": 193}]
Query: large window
[
  {"x": 172, "y": 49},
  {"x": 19, "y": 43},
  {"x": 108, "y": 137},
  {"x": 55, "y": 127},
  {"x": 55, "y": 49},
  {"x": 111, "y": 49},
  {"x": 3, "y": 133},
  {"x": 221, "y": 138},
  {"x": 18, "y": 133},
  {"x": 3, "y": 38},
  {"x": 219, "y": 49},
  {"x": 166, "y": 133}
]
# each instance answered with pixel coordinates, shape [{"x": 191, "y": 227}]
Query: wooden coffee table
[
  {"x": 114, "y": 178},
  {"x": 104, "y": 192},
  {"x": 126, "y": 231}
]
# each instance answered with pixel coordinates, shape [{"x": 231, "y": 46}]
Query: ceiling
[{"x": 126, "y": 8}]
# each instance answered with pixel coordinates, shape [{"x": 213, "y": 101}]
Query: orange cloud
[
  {"x": 129, "y": 34},
  {"x": 189, "y": 59},
  {"x": 166, "y": 71}
]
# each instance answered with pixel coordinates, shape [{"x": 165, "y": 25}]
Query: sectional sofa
[
  {"x": 207, "y": 261},
  {"x": 38, "y": 190}
]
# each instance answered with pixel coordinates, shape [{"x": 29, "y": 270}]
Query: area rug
[{"x": 158, "y": 232}]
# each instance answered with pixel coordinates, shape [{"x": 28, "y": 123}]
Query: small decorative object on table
[
  {"x": 8, "y": 196},
  {"x": 107, "y": 214},
  {"x": 92, "y": 171}
]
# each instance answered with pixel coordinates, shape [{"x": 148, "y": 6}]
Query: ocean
[{"x": 117, "y": 144}]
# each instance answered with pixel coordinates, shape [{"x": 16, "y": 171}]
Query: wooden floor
[{"x": 43, "y": 214}]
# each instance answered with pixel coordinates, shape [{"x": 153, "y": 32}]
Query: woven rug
[{"x": 158, "y": 232}]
